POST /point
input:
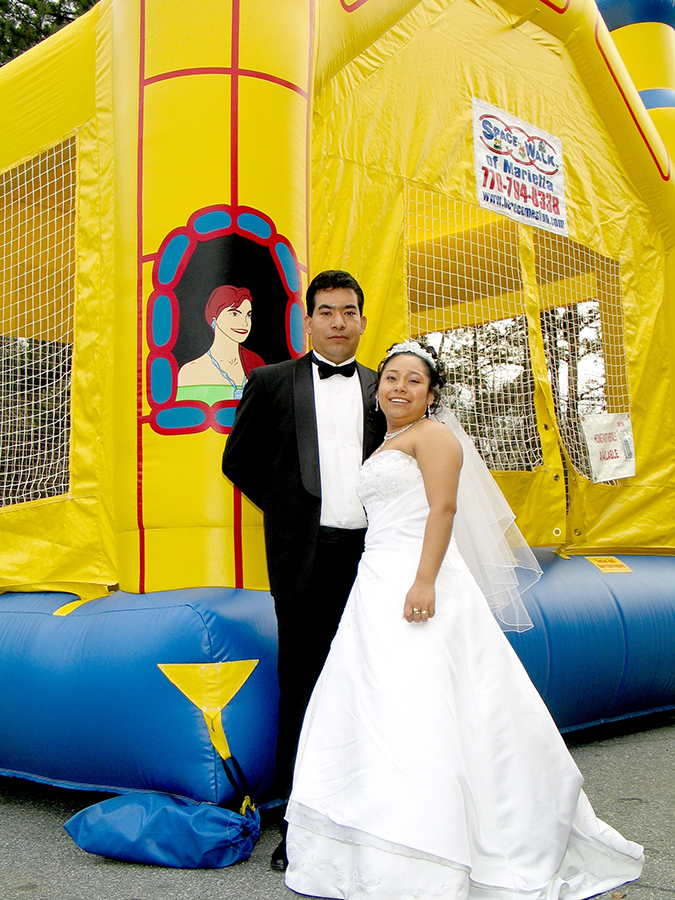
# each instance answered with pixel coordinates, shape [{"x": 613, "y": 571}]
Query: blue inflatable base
[
  {"x": 603, "y": 645},
  {"x": 85, "y": 705}
]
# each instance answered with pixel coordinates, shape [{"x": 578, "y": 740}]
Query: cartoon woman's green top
[{"x": 207, "y": 393}]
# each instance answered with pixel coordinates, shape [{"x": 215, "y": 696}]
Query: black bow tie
[{"x": 326, "y": 370}]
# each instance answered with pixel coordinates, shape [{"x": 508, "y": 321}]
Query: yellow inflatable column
[
  {"x": 648, "y": 49},
  {"x": 211, "y": 139}
]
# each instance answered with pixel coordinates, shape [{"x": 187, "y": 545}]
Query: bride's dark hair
[{"x": 437, "y": 372}]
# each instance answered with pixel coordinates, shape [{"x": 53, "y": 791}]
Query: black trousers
[{"x": 307, "y": 622}]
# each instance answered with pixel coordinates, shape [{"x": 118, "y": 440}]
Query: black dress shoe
[{"x": 279, "y": 860}]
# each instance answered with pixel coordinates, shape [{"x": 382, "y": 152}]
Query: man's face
[{"x": 336, "y": 324}]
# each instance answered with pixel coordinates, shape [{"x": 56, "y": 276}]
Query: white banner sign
[
  {"x": 519, "y": 169},
  {"x": 609, "y": 437}
]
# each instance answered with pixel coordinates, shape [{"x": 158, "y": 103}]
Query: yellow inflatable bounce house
[{"x": 489, "y": 172}]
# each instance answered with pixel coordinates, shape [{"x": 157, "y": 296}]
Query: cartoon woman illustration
[{"x": 221, "y": 372}]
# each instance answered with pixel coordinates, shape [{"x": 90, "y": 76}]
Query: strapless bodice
[{"x": 384, "y": 477}]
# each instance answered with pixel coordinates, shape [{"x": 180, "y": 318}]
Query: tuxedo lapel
[
  {"x": 371, "y": 433},
  {"x": 305, "y": 425}
]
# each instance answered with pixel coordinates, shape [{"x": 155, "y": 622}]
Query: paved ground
[{"x": 630, "y": 779}]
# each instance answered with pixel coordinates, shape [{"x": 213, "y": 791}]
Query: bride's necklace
[{"x": 392, "y": 434}]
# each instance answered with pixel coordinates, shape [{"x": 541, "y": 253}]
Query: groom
[{"x": 301, "y": 431}]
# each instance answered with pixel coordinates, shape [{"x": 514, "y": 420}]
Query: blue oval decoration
[
  {"x": 295, "y": 327},
  {"x": 180, "y": 417},
  {"x": 161, "y": 380},
  {"x": 225, "y": 416},
  {"x": 172, "y": 257},
  {"x": 162, "y": 320},
  {"x": 254, "y": 225},
  {"x": 285, "y": 257},
  {"x": 216, "y": 220}
]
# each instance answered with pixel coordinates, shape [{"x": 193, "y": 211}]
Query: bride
[{"x": 428, "y": 766}]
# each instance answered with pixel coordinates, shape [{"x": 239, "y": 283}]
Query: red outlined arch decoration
[{"x": 168, "y": 305}]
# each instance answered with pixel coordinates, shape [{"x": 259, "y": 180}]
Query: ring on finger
[{"x": 416, "y": 612}]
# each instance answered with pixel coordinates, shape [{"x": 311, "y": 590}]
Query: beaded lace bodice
[{"x": 384, "y": 477}]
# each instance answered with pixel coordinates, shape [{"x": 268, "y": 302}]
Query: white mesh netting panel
[
  {"x": 582, "y": 328},
  {"x": 37, "y": 271},
  {"x": 465, "y": 293}
]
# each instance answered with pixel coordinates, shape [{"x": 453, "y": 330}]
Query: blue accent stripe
[
  {"x": 160, "y": 380},
  {"x": 619, "y": 13},
  {"x": 161, "y": 320},
  {"x": 180, "y": 417},
  {"x": 296, "y": 329},
  {"x": 285, "y": 257},
  {"x": 172, "y": 257},
  {"x": 254, "y": 225},
  {"x": 225, "y": 416},
  {"x": 658, "y": 98},
  {"x": 215, "y": 220}
]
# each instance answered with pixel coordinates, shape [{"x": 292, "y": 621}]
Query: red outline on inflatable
[
  {"x": 234, "y": 203},
  {"x": 555, "y": 8},
  {"x": 227, "y": 70},
  {"x": 238, "y": 538},
  {"x": 139, "y": 306},
  {"x": 355, "y": 5},
  {"x": 308, "y": 127},
  {"x": 666, "y": 176},
  {"x": 234, "y": 107}
]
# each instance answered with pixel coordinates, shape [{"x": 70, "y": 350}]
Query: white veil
[{"x": 488, "y": 538}]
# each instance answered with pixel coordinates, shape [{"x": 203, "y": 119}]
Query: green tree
[{"x": 24, "y": 23}]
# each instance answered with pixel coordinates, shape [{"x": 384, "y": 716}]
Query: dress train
[{"x": 428, "y": 765}]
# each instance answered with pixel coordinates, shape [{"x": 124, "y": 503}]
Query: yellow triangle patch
[{"x": 210, "y": 686}]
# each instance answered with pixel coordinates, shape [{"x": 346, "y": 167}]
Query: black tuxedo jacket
[{"x": 272, "y": 456}]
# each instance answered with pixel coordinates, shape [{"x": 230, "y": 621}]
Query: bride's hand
[{"x": 420, "y": 603}]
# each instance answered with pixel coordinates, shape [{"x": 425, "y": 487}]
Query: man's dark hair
[{"x": 328, "y": 281}]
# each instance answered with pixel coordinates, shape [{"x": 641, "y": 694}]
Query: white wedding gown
[{"x": 428, "y": 765}]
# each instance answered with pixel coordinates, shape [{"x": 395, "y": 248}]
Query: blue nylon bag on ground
[{"x": 164, "y": 830}]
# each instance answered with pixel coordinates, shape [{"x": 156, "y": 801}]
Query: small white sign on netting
[
  {"x": 609, "y": 438},
  {"x": 519, "y": 169}
]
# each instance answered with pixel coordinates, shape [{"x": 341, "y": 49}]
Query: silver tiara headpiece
[{"x": 414, "y": 348}]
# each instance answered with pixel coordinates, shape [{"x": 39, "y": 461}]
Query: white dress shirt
[{"x": 338, "y": 402}]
